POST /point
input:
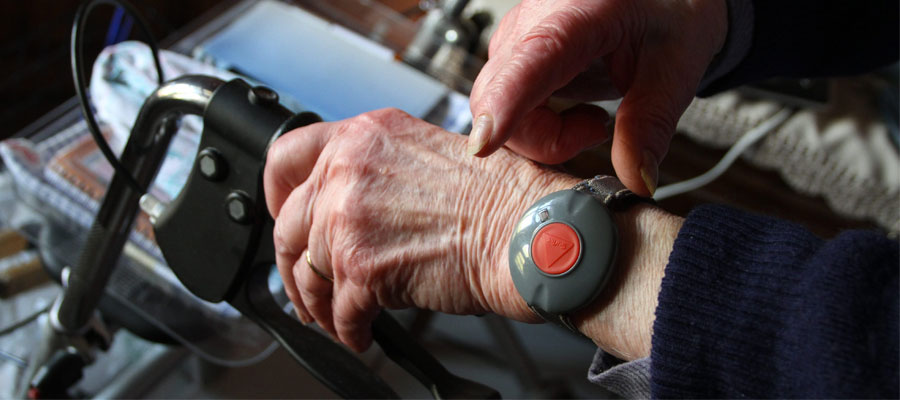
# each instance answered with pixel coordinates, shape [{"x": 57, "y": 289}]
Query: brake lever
[
  {"x": 216, "y": 236},
  {"x": 331, "y": 364},
  {"x": 402, "y": 348}
]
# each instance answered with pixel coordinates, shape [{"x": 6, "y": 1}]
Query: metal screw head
[
  {"x": 211, "y": 164},
  {"x": 544, "y": 215},
  {"x": 261, "y": 95},
  {"x": 239, "y": 207}
]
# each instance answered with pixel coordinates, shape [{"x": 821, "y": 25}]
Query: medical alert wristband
[{"x": 564, "y": 248}]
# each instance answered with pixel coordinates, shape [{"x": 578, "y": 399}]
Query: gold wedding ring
[{"x": 314, "y": 269}]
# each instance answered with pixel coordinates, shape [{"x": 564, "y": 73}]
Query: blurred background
[
  {"x": 827, "y": 158},
  {"x": 34, "y": 52}
]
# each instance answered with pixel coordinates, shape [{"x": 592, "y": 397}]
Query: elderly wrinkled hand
[
  {"x": 653, "y": 52},
  {"x": 392, "y": 210}
]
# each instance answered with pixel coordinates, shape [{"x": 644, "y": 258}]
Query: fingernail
[
  {"x": 481, "y": 132},
  {"x": 650, "y": 171}
]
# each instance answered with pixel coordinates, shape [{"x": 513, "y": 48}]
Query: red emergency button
[{"x": 555, "y": 248}]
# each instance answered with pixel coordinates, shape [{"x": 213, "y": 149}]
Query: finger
[
  {"x": 294, "y": 295},
  {"x": 498, "y": 50},
  {"x": 290, "y": 288},
  {"x": 315, "y": 293},
  {"x": 504, "y": 30},
  {"x": 315, "y": 279},
  {"x": 552, "y": 138},
  {"x": 293, "y": 230},
  {"x": 488, "y": 70},
  {"x": 354, "y": 311},
  {"x": 645, "y": 124},
  {"x": 290, "y": 160},
  {"x": 541, "y": 61},
  {"x": 290, "y": 238}
]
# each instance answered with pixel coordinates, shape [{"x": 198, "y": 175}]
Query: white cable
[{"x": 749, "y": 138}]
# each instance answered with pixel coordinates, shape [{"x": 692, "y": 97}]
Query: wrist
[
  {"x": 620, "y": 320},
  {"x": 501, "y": 295}
]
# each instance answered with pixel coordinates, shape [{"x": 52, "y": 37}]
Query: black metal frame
[{"x": 217, "y": 234}]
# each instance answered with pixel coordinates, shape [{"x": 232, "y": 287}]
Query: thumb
[
  {"x": 645, "y": 124},
  {"x": 509, "y": 91},
  {"x": 551, "y": 138}
]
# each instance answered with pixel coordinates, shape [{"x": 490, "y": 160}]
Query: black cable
[{"x": 77, "y": 58}]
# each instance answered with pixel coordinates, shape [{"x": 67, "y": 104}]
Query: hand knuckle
[
  {"x": 282, "y": 245},
  {"x": 275, "y": 153},
  {"x": 356, "y": 261},
  {"x": 352, "y": 252},
  {"x": 346, "y": 322},
  {"x": 494, "y": 46},
  {"x": 381, "y": 117},
  {"x": 275, "y": 156},
  {"x": 542, "y": 40},
  {"x": 564, "y": 35},
  {"x": 348, "y": 214},
  {"x": 368, "y": 120},
  {"x": 348, "y": 169}
]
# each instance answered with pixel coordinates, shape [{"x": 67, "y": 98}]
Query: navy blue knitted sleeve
[
  {"x": 752, "y": 306},
  {"x": 814, "y": 38}
]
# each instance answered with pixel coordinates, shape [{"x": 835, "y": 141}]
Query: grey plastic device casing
[{"x": 575, "y": 288}]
